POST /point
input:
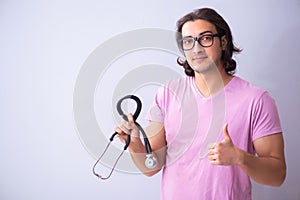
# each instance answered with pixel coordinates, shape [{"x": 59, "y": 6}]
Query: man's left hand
[{"x": 224, "y": 152}]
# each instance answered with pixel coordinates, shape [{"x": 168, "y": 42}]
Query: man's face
[{"x": 203, "y": 59}]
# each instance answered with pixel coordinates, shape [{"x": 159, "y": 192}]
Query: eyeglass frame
[{"x": 200, "y": 36}]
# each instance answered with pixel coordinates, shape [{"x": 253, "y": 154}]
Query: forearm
[
  {"x": 156, "y": 136},
  {"x": 138, "y": 153},
  {"x": 264, "y": 170}
]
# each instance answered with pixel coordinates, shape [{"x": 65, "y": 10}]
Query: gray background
[{"x": 43, "y": 45}]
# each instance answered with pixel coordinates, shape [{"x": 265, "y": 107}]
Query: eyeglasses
[{"x": 206, "y": 40}]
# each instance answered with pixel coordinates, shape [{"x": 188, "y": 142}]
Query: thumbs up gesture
[{"x": 224, "y": 152}]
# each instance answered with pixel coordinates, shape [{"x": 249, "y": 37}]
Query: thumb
[{"x": 226, "y": 134}]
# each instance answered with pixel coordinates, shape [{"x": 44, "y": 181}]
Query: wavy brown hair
[{"x": 222, "y": 27}]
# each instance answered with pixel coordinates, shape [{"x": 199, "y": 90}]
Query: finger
[
  {"x": 128, "y": 124},
  {"x": 211, "y": 145},
  {"x": 130, "y": 117},
  {"x": 226, "y": 134},
  {"x": 125, "y": 125},
  {"x": 122, "y": 137},
  {"x": 125, "y": 128},
  {"x": 213, "y": 159},
  {"x": 211, "y": 151},
  {"x": 210, "y": 157},
  {"x": 131, "y": 124},
  {"x": 118, "y": 130}
]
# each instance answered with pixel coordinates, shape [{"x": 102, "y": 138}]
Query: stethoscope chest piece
[{"x": 150, "y": 161}]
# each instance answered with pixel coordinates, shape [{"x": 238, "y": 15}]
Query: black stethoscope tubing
[{"x": 127, "y": 142}]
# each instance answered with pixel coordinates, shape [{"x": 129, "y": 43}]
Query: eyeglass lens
[{"x": 204, "y": 40}]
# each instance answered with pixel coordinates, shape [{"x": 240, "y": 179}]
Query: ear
[{"x": 224, "y": 42}]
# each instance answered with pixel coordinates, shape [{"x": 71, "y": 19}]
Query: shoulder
[
  {"x": 243, "y": 88},
  {"x": 257, "y": 98},
  {"x": 177, "y": 86},
  {"x": 170, "y": 88},
  {"x": 179, "y": 82},
  {"x": 244, "y": 93}
]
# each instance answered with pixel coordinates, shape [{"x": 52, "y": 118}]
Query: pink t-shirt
[{"x": 192, "y": 122}]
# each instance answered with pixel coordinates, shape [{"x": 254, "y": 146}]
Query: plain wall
[{"x": 45, "y": 43}]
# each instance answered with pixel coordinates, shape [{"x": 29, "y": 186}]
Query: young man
[{"x": 189, "y": 111}]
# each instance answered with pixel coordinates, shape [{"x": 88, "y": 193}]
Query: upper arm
[
  {"x": 156, "y": 135},
  {"x": 270, "y": 146}
]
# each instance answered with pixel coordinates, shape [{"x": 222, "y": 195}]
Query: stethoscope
[{"x": 150, "y": 161}]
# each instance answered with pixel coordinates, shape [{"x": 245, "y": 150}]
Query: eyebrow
[{"x": 202, "y": 33}]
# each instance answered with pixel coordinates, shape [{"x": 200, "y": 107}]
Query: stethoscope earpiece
[{"x": 150, "y": 161}]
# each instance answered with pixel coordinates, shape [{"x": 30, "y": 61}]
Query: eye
[
  {"x": 206, "y": 38},
  {"x": 187, "y": 41}
]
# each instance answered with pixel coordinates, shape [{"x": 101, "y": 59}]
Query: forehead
[{"x": 194, "y": 28}]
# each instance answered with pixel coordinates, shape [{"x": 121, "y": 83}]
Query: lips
[{"x": 199, "y": 58}]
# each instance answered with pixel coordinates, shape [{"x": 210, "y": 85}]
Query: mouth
[{"x": 199, "y": 58}]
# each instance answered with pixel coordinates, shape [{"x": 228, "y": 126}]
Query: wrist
[
  {"x": 240, "y": 159},
  {"x": 136, "y": 145}
]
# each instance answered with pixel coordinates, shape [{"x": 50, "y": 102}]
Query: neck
[{"x": 209, "y": 83}]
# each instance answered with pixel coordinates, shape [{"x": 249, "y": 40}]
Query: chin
[{"x": 202, "y": 68}]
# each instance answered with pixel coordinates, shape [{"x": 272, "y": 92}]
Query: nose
[{"x": 197, "y": 47}]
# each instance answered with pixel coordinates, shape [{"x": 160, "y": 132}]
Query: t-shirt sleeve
[
  {"x": 156, "y": 110},
  {"x": 265, "y": 117}
]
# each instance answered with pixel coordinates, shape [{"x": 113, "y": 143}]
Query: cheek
[
  {"x": 188, "y": 56},
  {"x": 214, "y": 54}
]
